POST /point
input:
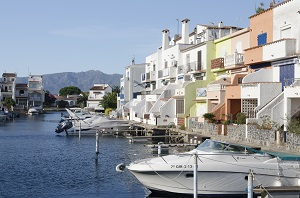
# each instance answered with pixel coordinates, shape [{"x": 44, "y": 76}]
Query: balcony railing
[
  {"x": 152, "y": 75},
  {"x": 216, "y": 87},
  {"x": 35, "y": 99},
  {"x": 235, "y": 59},
  {"x": 217, "y": 63}
]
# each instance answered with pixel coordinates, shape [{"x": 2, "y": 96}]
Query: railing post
[{"x": 195, "y": 175}]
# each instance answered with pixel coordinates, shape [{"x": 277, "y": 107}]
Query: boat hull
[{"x": 211, "y": 183}]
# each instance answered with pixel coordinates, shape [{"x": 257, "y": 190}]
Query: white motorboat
[
  {"x": 88, "y": 126},
  {"x": 222, "y": 170},
  {"x": 77, "y": 113},
  {"x": 33, "y": 111}
]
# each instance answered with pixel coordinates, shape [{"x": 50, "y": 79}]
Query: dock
[{"x": 278, "y": 191}]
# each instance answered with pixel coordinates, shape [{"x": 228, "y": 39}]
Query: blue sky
[{"x": 45, "y": 37}]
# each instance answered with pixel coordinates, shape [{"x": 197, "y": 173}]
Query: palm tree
[
  {"x": 9, "y": 103},
  {"x": 81, "y": 101}
]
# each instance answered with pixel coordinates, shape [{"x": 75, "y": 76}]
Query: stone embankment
[{"x": 250, "y": 135}]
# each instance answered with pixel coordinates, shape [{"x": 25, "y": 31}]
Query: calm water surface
[{"x": 36, "y": 162}]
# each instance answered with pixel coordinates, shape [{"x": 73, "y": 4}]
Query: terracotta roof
[
  {"x": 21, "y": 85},
  {"x": 9, "y": 75},
  {"x": 98, "y": 88},
  {"x": 266, "y": 10}
]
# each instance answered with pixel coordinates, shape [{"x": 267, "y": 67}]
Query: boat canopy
[{"x": 214, "y": 146}]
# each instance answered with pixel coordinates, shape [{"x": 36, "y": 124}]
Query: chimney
[
  {"x": 185, "y": 31},
  {"x": 165, "y": 39},
  {"x": 220, "y": 29}
]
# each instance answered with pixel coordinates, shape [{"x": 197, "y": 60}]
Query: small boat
[
  {"x": 222, "y": 170},
  {"x": 33, "y": 111}
]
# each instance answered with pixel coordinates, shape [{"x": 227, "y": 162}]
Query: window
[
  {"x": 240, "y": 80},
  {"x": 199, "y": 60},
  {"x": 262, "y": 39},
  {"x": 179, "y": 106},
  {"x": 21, "y": 92}
]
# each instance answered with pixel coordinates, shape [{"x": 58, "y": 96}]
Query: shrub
[
  {"x": 294, "y": 126},
  {"x": 226, "y": 122},
  {"x": 108, "y": 110},
  {"x": 241, "y": 118},
  {"x": 182, "y": 127},
  {"x": 209, "y": 116}
]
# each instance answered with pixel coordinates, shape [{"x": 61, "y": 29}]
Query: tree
[
  {"x": 109, "y": 101},
  {"x": 70, "y": 90},
  {"x": 62, "y": 104},
  {"x": 260, "y": 8},
  {"x": 81, "y": 101},
  {"x": 9, "y": 103},
  {"x": 49, "y": 99},
  {"x": 116, "y": 89}
]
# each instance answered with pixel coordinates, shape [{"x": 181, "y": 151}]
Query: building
[
  {"x": 36, "y": 95},
  {"x": 96, "y": 94}
]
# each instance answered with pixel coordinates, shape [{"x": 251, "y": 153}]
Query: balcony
[
  {"x": 169, "y": 72},
  {"x": 39, "y": 88},
  {"x": 234, "y": 60},
  {"x": 270, "y": 51},
  {"x": 216, "y": 87},
  {"x": 145, "y": 77},
  {"x": 279, "y": 49},
  {"x": 217, "y": 63},
  {"x": 194, "y": 67},
  {"x": 152, "y": 75},
  {"x": 35, "y": 99},
  {"x": 180, "y": 69}
]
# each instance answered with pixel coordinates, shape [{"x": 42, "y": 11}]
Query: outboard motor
[{"x": 63, "y": 126}]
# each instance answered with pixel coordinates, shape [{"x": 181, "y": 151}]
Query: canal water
[{"x": 37, "y": 162}]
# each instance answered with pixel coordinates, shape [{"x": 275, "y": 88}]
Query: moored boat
[{"x": 222, "y": 170}]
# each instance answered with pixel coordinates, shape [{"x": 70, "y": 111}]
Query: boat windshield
[{"x": 217, "y": 147}]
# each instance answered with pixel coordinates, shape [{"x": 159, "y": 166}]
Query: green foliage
[
  {"x": 260, "y": 8},
  {"x": 70, "y": 90},
  {"x": 62, "y": 104},
  {"x": 241, "y": 118},
  {"x": 49, "y": 99},
  {"x": 109, "y": 101},
  {"x": 294, "y": 125},
  {"x": 226, "y": 122},
  {"x": 268, "y": 124},
  {"x": 182, "y": 127},
  {"x": 116, "y": 89},
  {"x": 9, "y": 103},
  {"x": 209, "y": 116},
  {"x": 108, "y": 110},
  {"x": 81, "y": 101}
]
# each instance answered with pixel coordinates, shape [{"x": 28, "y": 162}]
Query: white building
[
  {"x": 274, "y": 59},
  {"x": 179, "y": 61},
  {"x": 36, "y": 95},
  {"x": 96, "y": 94},
  {"x": 8, "y": 84}
]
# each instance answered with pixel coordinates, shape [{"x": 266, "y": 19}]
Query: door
[{"x": 286, "y": 75}]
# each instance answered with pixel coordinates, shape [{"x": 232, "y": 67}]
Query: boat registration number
[{"x": 181, "y": 166}]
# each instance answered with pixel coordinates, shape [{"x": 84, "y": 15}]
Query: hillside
[{"x": 82, "y": 80}]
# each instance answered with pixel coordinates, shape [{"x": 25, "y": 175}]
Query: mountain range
[{"x": 83, "y": 80}]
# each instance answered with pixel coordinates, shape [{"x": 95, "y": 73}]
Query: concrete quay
[{"x": 196, "y": 137}]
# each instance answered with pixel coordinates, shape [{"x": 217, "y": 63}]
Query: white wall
[
  {"x": 285, "y": 16},
  {"x": 263, "y": 75}
]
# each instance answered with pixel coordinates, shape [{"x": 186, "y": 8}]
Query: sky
[{"x": 52, "y": 36}]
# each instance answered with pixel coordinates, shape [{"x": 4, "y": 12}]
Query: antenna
[
  {"x": 237, "y": 22},
  {"x": 177, "y": 26}
]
